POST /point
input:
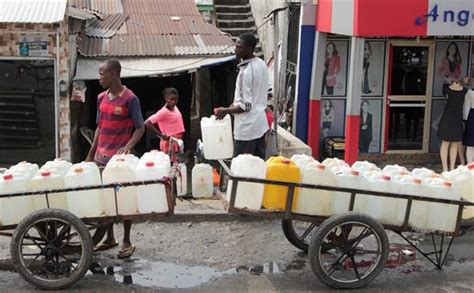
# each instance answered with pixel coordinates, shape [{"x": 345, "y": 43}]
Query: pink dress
[{"x": 170, "y": 123}]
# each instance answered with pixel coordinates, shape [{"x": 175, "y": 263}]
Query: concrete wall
[
  {"x": 260, "y": 9},
  {"x": 10, "y": 36}
]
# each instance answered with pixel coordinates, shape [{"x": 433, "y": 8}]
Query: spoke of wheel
[
  {"x": 71, "y": 266},
  {"x": 34, "y": 241},
  {"x": 367, "y": 251},
  {"x": 64, "y": 230},
  {"x": 32, "y": 261},
  {"x": 354, "y": 265},
  {"x": 30, "y": 254},
  {"x": 47, "y": 229},
  {"x": 346, "y": 231},
  {"x": 306, "y": 233},
  {"x": 359, "y": 238},
  {"x": 41, "y": 233},
  {"x": 339, "y": 260}
]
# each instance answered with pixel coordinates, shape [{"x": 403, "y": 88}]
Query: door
[{"x": 409, "y": 94}]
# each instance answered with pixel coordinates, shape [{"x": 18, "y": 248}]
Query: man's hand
[
  {"x": 220, "y": 113},
  {"x": 164, "y": 137},
  {"x": 124, "y": 150}
]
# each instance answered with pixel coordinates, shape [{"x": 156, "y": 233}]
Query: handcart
[
  {"x": 52, "y": 248},
  {"x": 350, "y": 249}
]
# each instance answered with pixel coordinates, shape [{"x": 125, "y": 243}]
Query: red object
[
  {"x": 270, "y": 118},
  {"x": 150, "y": 164},
  {"x": 215, "y": 177},
  {"x": 351, "y": 152},
  {"x": 8, "y": 177},
  {"x": 46, "y": 173},
  {"x": 314, "y": 127},
  {"x": 324, "y": 16}
]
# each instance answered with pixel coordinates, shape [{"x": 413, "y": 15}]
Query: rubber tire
[
  {"x": 82, "y": 231},
  {"x": 330, "y": 224},
  {"x": 291, "y": 235}
]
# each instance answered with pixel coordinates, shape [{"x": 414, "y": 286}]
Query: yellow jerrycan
[{"x": 280, "y": 169}]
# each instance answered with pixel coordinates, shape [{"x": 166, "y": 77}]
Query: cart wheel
[
  {"x": 348, "y": 251},
  {"x": 39, "y": 249},
  {"x": 299, "y": 233}
]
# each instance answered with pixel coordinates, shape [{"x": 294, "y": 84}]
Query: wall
[
  {"x": 10, "y": 34},
  {"x": 260, "y": 9}
]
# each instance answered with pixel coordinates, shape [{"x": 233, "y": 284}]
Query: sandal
[
  {"x": 104, "y": 246},
  {"x": 126, "y": 252}
]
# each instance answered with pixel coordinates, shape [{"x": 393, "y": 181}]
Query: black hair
[
  {"x": 457, "y": 55},
  {"x": 114, "y": 65},
  {"x": 170, "y": 91},
  {"x": 249, "y": 39}
]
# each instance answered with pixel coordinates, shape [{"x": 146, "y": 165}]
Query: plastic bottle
[
  {"x": 462, "y": 179},
  {"x": 155, "y": 156},
  {"x": 202, "y": 181},
  {"x": 151, "y": 198},
  {"x": 14, "y": 209},
  {"x": 248, "y": 195},
  {"x": 57, "y": 166},
  {"x": 280, "y": 169},
  {"x": 49, "y": 179},
  {"x": 316, "y": 202},
  {"x": 348, "y": 178},
  {"x": 86, "y": 203},
  {"x": 442, "y": 217},
  {"x": 120, "y": 170},
  {"x": 364, "y": 166},
  {"x": 27, "y": 169},
  {"x": 217, "y": 138},
  {"x": 419, "y": 209},
  {"x": 301, "y": 160}
]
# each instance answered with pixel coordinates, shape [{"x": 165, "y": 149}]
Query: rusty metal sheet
[{"x": 107, "y": 27}]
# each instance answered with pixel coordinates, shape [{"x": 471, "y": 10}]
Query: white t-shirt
[
  {"x": 468, "y": 103},
  {"x": 251, "y": 91}
]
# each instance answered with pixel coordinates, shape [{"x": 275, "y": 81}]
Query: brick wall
[{"x": 10, "y": 34}]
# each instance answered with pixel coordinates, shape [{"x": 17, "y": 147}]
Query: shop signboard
[{"x": 33, "y": 46}]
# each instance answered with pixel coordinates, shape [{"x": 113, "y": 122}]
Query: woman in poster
[
  {"x": 450, "y": 66},
  {"x": 332, "y": 67},
  {"x": 327, "y": 117},
  {"x": 365, "y": 132},
  {"x": 366, "y": 64}
]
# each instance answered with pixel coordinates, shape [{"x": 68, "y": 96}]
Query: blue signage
[{"x": 461, "y": 17}]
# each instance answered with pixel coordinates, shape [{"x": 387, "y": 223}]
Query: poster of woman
[
  {"x": 332, "y": 117},
  {"x": 335, "y": 68},
  {"x": 373, "y": 69},
  {"x": 370, "y": 125},
  {"x": 451, "y": 63}
]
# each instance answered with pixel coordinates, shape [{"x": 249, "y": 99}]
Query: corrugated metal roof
[
  {"x": 154, "y": 28},
  {"x": 155, "y": 45},
  {"x": 102, "y": 6},
  {"x": 83, "y": 14},
  {"x": 32, "y": 11},
  {"x": 107, "y": 27}
]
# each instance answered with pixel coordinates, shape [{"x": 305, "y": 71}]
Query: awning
[
  {"x": 88, "y": 68},
  {"x": 32, "y": 11}
]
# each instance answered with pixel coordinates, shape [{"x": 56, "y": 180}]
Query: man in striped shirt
[{"x": 120, "y": 127}]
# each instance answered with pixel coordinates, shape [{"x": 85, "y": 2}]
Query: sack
[{"x": 271, "y": 144}]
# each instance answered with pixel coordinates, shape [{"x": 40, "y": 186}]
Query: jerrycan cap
[
  {"x": 286, "y": 161},
  {"x": 120, "y": 160},
  {"x": 386, "y": 178},
  {"x": 149, "y": 164},
  {"x": 78, "y": 170},
  {"x": 355, "y": 173},
  {"x": 320, "y": 167},
  {"x": 8, "y": 176},
  {"x": 417, "y": 180},
  {"x": 46, "y": 173},
  {"x": 447, "y": 184},
  {"x": 470, "y": 166}
]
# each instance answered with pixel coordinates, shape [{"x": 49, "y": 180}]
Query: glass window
[{"x": 409, "y": 70}]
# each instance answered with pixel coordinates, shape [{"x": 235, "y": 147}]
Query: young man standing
[
  {"x": 250, "y": 100},
  {"x": 120, "y": 127}
]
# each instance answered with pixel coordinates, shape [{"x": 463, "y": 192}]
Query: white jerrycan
[
  {"x": 86, "y": 203},
  {"x": 57, "y": 166},
  {"x": 316, "y": 202},
  {"x": 202, "y": 181},
  {"x": 301, "y": 160},
  {"x": 182, "y": 180},
  {"x": 155, "y": 156},
  {"x": 27, "y": 169},
  {"x": 424, "y": 173},
  {"x": 462, "y": 179},
  {"x": 120, "y": 170},
  {"x": 151, "y": 198},
  {"x": 364, "y": 166},
  {"x": 49, "y": 179},
  {"x": 348, "y": 178},
  {"x": 394, "y": 170},
  {"x": 217, "y": 138},
  {"x": 384, "y": 209},
  {"x": 14, "y": 209},
  {"x": 442, "y": 217},
  {"x": 248, "y": 195},
  {"x": 334, "y": 164},
  {"x": 419, "y": 209}
]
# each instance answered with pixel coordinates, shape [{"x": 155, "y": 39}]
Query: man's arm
[
  {"x": 221, "y": 111},
  {"x": 156, "y": 131},
  {"x": 246, "y": 102},
  {"x": 90, "y": 155},
  {"x": 136, "y": 136}
]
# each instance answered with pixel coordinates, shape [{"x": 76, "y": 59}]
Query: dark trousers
[{"x": 254, "y": 147}]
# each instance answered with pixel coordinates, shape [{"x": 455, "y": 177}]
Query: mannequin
[
  {"x": 468, "y": 116},
  {"x": 450, "y": 129}
]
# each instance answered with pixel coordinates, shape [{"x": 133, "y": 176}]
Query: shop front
[{"x": 381, "y": 69}]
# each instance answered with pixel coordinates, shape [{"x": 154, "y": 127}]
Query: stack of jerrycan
[
  {"x": 86, "y": 203},
  {"x": 334, "y": 164},
  {"x": 347, "y": 177},
  {"x": 16, "y": 180},
  {"x": 202, "y": 181},
  {"x": 123, "y": 201},
  {"x": 364, "y": 166},
  {"x": 410, "y": 185},
  {"x": 50, "y": 176},
  {"x": 441, "y": 217},
  {"x": 217, "y": 138},
  {"x": 316, "y": 202},
  {"x": 462, "y": 179},
  {"x": 248, "y": 195},
  {"x": 280, "y": 169},
  {"x": 301, "y": 160},
  {"x": 152, "y": 198}
]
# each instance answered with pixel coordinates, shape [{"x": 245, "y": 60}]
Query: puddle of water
[{"x": 170, "y": 275}]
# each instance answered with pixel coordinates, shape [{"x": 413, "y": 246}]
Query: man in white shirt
[{"x": 250, "y": 100}]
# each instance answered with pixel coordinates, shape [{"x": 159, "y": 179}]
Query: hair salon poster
[
  {"x": 335, "y": 68},
  {"x": 370, "y": 130},
  {"x": 373, "y": 69},
  {"x": 332, "y": 118}
]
